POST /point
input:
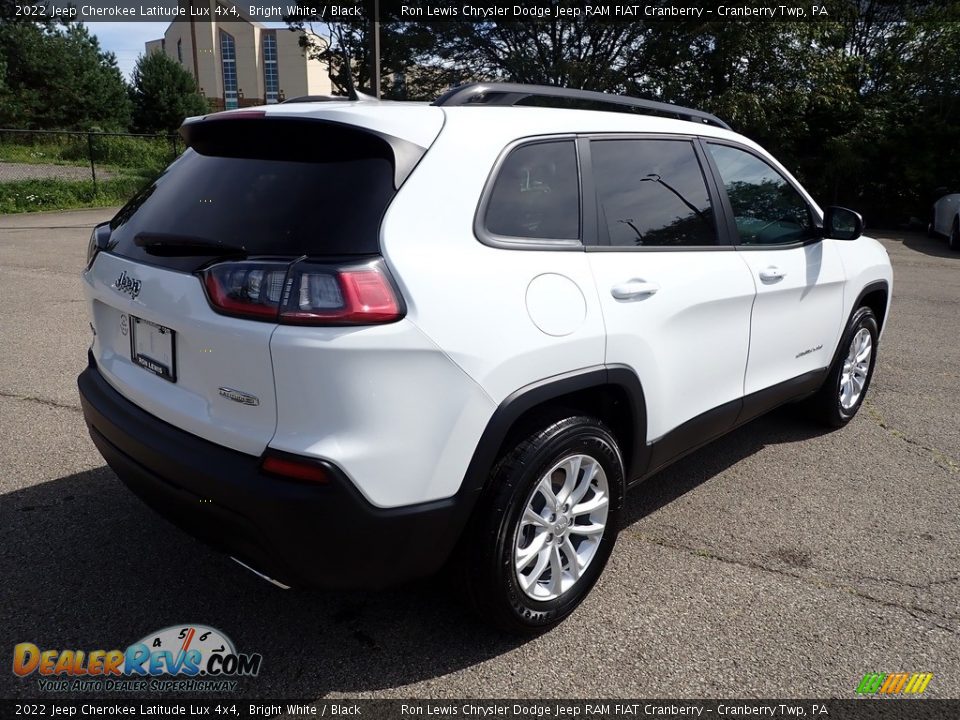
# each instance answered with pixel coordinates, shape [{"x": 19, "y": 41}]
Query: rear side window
[
  {"x": 651, "y": 193},
  {"x": 536, "y": 194},
  {"x": 287, "y": 188}
]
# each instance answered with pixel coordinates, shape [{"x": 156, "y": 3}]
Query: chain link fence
[{"x": 52, "y": 169}]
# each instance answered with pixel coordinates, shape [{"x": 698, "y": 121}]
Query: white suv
[{"x": 351, "y": 342}]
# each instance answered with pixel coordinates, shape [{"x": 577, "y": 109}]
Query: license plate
[{"x": 153, "y": 347}]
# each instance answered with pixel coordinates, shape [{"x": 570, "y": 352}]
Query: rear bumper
[{"x": 299, "y": 533}]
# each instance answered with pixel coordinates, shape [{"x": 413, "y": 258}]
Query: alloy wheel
[
  {"x": 562, "y": 526},
  {"x": 856, "y": 368}
]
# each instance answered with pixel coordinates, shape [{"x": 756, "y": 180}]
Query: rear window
[
  {"x": 269, "y": 187},
  {"x": 537, "y": 194}
]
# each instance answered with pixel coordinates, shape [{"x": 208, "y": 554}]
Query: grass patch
[
  {"x": 55, "y": 194},
  {"x": 37, "y": 154},
  {"x": 146, "y": 154}
]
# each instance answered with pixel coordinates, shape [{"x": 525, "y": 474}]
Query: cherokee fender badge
[{"x": 808, "y": 351}]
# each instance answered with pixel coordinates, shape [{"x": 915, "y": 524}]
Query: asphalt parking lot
[{"x": 779, "y": 561}]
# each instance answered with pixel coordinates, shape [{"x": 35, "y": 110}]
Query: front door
[{"x": 797, "y": 315}]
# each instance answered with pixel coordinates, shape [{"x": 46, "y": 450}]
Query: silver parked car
[{"x": 945, "y": 221}]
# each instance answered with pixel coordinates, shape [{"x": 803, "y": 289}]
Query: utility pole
[{"x": 375, "y": 51}]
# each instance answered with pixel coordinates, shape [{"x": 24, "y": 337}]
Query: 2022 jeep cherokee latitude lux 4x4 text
[{"x": 350, "y": 341}]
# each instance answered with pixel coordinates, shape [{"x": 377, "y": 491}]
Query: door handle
[
  {"x": 633, "y": 289},
  {"x": 772, "y": 274}
]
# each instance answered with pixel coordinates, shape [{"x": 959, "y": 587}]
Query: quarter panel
[
  {"x": 383, "y": 404},
  {"x": 474, "y": 301}
]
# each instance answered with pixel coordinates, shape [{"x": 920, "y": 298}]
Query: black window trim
[
  {"x": 512, "y": 242},
  {"x": 815, "y": 217},
  {"x": 720, "y": 211}
]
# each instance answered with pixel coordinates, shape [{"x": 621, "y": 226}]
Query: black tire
[
  {"x": 825, "y": 407},
  {"x": 487, "y": 558},
  {"x": 954, "y": 239}
]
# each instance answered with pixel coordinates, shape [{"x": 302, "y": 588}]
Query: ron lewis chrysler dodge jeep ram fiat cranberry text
[{"x": 351, "y": 342}]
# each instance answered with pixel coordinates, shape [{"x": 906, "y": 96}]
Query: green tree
[
  {"x": 576, "y": 52},
  {"x": 407, "y": 67},
  {"x": 57, "y": 77},
  {"x": 163, "y": 94},
  {"x": 864, "y": 108}
]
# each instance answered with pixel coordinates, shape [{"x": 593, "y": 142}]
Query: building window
[
  {"x": 271, "y": 73},
  {"x": 180, "y": 51},
  {"x": 228, "y": 61}
]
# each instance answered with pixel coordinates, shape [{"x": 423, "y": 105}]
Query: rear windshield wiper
[{"x": 163, "y": 245}]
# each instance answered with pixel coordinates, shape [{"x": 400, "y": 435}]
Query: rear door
[
  {"x": 274, "y": 190},
  {"x": 676, "y": 300},
  {"x": 797, "y": 316}
]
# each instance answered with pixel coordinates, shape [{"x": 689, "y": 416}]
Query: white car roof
[{"x": 420, "y": 122}]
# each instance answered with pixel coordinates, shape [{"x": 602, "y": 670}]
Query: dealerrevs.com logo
[{"x": 185, "y": 658}]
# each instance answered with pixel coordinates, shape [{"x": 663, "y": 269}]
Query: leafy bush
[
  {"x": 147, "y": 155},
  {"x": 56, "y": 194},
  {"x": 28, "y": 153},
  {"x": 150, "y": 154}
]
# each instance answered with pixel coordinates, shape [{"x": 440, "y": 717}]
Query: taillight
[
  {"x": 343, "y": 296},
  {"x": 98, "y": 240},
  {"x": 246, "y": 289},
  {"x": 305, "y": 292}
]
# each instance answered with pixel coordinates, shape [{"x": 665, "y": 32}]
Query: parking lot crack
[
  {"x": 939, "y": 457},
  {"x": 904, "y": 584},
  {"x": 929, "y": 616},
  {"x": 41, "y": 401}
]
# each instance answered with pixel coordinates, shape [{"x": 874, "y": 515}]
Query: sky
[{"x": 126, "y": 39}]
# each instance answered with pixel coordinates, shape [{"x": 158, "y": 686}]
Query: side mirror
[{"x": 839, "y": 223}]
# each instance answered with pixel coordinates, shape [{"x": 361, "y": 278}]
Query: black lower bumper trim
[{"x": 299, "y": 533}]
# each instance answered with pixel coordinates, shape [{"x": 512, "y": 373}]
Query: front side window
[
  {"x": 537, "y": 193},
  {"x": 228, "y": 59},
  {"x": 768, "y": 210},
  {"x": 271, "y": 75},
  {"x": 651, "y": 193}
]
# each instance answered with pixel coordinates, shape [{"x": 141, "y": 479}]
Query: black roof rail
[
  {"x": 358, "y": 97},
  {"x": 312, "y": 98},
  {"x": 508, "y": 94}
]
